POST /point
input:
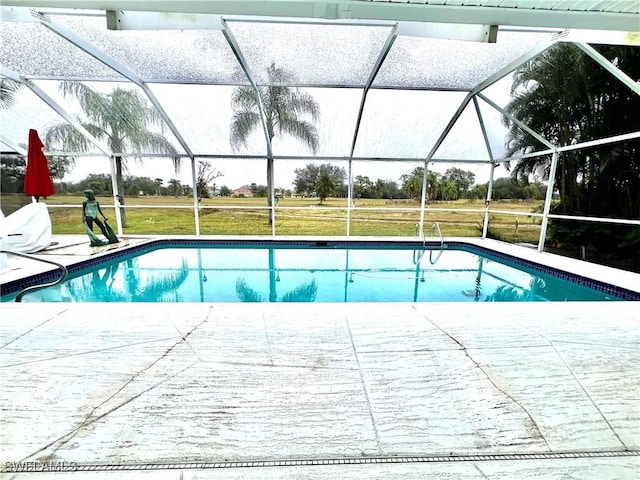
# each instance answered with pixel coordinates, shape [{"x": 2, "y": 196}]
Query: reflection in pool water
[{"x": 296, "y": 274}]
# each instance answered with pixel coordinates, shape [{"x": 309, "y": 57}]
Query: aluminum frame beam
[
  {"x": 384, "y": 51},
  {"x": 447, "y": 129},
  {"x": 537, "y": 136},
  {"x": 599, "y": 19},
  {"x": 99, "y": 55},
  {"x": 511, "y": 66},
  {"x": 132, "y": 20},
  {"x": 487, "y": 203},
  {"x": 56, "y": 107},
  {"x": 609, "y": 67},
  {"x": 483, "y": 128},
  {"x": 11, "y": 144}
]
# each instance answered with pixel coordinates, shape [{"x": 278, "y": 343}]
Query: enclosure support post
[
  {"x": 391, "y": 38},
  {"x": 272, "y": 194},
  {"x": 424, "y": 196},
  {"x": 116, "y": 193},
  {"x": 487, "y": 204},
  {"x": 196, "y": 196},
  {"x": 547, "y": 200},
  {"x": 349, "y": 197}
]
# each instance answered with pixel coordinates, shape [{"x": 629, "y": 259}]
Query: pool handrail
[
  {"x": 33, "y": 288},
  {"x": 435, "y": 228}
]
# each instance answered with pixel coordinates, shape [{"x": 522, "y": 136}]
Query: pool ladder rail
[
  {"x": 33, "y": 288},
  {"x": 418, "y": 254}
]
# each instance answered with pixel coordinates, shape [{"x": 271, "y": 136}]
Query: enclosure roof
[{"x": 395, "y": 80}]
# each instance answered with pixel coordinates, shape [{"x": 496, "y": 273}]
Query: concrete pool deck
[
  {"x": 178, "y": 384},
  {"x": 350, "y": 391}
]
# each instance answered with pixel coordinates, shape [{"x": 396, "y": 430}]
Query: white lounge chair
[{"x": 27, "y": 230}]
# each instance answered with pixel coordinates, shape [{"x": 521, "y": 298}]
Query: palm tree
[
  {"x": 121, "y": 118},
  {"x": 449, "y": 190},
  {"x": 8, "y": 88},
  {"x": 175, "y": 186},
  {"x": 285, "y": 109},
  {"x": 553, "y": 105},
  {"x": 158, "y": 181},
  {"x": 325, "y": 186}
]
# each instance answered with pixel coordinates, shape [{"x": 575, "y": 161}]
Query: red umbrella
[{"x": 37, "y": 180}]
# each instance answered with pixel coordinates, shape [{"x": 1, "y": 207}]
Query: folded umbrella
[{"x": 37, "y": 179}]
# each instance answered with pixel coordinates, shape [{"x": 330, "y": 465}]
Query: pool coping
[{"x": 619, "y": 283}]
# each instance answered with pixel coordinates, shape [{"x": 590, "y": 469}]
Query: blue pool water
[{"x": 296, "y": 274}]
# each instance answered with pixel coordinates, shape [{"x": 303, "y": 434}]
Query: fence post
[
  {"x": 487, "y": 203},
  {"x": 547, "y": 200}
]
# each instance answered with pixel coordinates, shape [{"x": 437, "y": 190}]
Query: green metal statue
[{"x": 90, "y": 210}]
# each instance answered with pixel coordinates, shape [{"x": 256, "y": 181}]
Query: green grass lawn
[
  {"x": 296, "y": 216},
  {"x": 306, "y": 216}
]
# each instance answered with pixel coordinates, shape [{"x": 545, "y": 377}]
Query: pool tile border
[{"x": 49, "y": 276}]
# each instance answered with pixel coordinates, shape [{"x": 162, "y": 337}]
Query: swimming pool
[{"x": 199, "y": 271}]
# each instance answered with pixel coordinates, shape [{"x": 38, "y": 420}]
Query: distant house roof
[{"x": 244, "y": 190}]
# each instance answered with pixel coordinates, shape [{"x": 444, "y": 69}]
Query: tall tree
[
  {"x": 204, "y": 182},
  {"x": 158, "y": 182},
  {"x": 412, "y": 183},
  {"x": 449, "y": 190},
  {"x": 13, "y": 168},
  {"x": 325, "y": 187},
  {"x": 567, "y": 98},
  {"x": 12, "y": 171},
  {"x": 286, "y": 110},
  {"x": 386, "y": 189},
  {"x": 462, "y": 179},
  {"x": 121, "y": 118},
  {"x": 550, "y": 96},
  {"x": 363, "y": 187},
  {"x": 175, "y": 186},
  {"x": 306, "y": 179}
]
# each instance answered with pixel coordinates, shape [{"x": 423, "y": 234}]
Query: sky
[{"x": 395, "y": 124}]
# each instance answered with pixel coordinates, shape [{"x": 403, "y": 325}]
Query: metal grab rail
[
  {"x": 32, "y": 288},
  {"x": 435, "y": 228}
]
